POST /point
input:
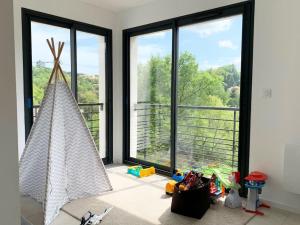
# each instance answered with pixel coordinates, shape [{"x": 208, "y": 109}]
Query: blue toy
[{"x": 178, "y": 176}]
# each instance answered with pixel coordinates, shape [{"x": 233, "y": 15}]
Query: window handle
[{"x": 28, "y": 103}]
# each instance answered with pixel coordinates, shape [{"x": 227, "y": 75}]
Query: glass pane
[
  {"x": 42, "y": 58},
  {"x": 91, "y": 84},
  {"x": 150, "y": 91},
  {"x": 208, "y": 94}
]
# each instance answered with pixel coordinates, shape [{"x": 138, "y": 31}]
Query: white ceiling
[{"x": 117, "y": 5}]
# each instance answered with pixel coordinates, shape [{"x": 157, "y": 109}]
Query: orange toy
[
  {"x": 147, "y": 172},
  {"x": 170, "y": 187}
]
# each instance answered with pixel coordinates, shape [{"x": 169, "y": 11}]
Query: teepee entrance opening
[{"x": 60, "y": 161}]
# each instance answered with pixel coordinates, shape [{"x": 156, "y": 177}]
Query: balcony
[{"x": 205, "y": 135}]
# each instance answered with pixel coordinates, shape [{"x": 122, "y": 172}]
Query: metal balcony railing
[{"x": 205, "y": 135}]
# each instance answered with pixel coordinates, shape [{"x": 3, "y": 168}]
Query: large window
[
  {"x": 187, "y": 89},
  {"x": 86, "y": 62},
  {"x": 150, "y": 95},
  {"x": 208, "y": 93}
]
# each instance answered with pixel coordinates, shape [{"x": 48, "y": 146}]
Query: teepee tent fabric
[{"x": 60, "y": 161}]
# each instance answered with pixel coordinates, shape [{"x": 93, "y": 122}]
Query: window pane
[
  {"x": 150, "y": 90},
  {"x": 208, "y": 94},
  {"x": 42, "y": 59},
  {"x": 91, "y": 84}
]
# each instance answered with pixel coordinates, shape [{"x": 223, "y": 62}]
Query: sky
[
  {"x": 88, "y": 48},
  {"x": 214, "y": 43}
]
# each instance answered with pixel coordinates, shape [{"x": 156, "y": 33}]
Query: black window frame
[
  {"x": 244, "y": 8},
  {"x": 28, "y": 16}
]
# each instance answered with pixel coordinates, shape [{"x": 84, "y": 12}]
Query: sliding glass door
[
  {"x": 187, "y": 91},
  {"x": 91, "y": 84},
  {"x": 150, "y": 97},
  {"x": 86, "y": 62},
  {"x": 208, "y": 94}
]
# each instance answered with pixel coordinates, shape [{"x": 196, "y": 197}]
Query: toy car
[
  {"x": 138, "y": 171},
  {"x": 93, "y": 219}
]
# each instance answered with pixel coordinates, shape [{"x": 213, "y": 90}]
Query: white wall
[
  {"x": 166, "y": 9},
  {"x": 9, "y": 195},
  {"x": 70, "y": 9},
  {"x": 275, "y": 121}
]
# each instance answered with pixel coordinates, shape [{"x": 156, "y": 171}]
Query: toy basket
[{"x": 192, "y": 203}]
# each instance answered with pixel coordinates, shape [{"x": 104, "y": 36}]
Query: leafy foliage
[
  {"x": 203, "y": 135},
  {"x": 88, "y": 85}
]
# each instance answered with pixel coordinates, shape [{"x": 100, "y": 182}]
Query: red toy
[
  {"x": 256, "y": 176},
  {"x": 255, "y": 181}
]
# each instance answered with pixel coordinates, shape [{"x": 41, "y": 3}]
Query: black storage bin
[{"x": 192, "y": 203}]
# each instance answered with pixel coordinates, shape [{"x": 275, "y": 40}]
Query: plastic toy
[
  {"x": 223, "y": 179},
  {"x": 134, "y": 170},
  {"x": 218, "y": 184},
  {"x": 255, "y": 181},
  {"x": 233, "y": 199},
  {"x": 170, "y": 187},
  {"x": 219, "y": 179},
  {"x": 147, "y": 172},
  {"x": 192, "y": 180},
  {"x": 93, "y": 219},
  {"x": 213, "y": 185},
  {"x": 178, "y": 176},
  {"x": 138, "y": 171}
]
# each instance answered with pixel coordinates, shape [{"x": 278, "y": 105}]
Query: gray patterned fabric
[
  {"x": 24, "y": 221},
  {"x": 60, "y": 161}
]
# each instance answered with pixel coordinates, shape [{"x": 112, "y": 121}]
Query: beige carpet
[{"x": 137, "y": 202}]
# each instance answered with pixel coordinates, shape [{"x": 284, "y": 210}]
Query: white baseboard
[{"x": 282, "y": 206}]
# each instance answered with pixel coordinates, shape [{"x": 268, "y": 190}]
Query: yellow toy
[
  {"x": 147, "y": 172},
  {"x": 170, "y": 187},
  {"x": 138, "y": 171}
]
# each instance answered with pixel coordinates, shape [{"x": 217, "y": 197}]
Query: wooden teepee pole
[
  {"x": 56, "y": 68},
  {"x": 55, "y": 64}
]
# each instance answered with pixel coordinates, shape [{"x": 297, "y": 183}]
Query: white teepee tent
[{"x": 60, "y": 161}]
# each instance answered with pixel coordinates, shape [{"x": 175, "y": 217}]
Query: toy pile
[
  {"x": 178, "y": 176},
  {"x": 191, "y": 181},
  {"x": 191, "y": 195},
  {"x": 188, "y": 181},
  {"x": 219, "y": 179}
]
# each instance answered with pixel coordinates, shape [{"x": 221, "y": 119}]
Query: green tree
[
  {"x": 230, "y": 74},
  {"x": 199, "y": 131}
]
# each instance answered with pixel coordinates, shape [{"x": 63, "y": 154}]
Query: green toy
[
  {"x": 134, "y": 170},
  {"x": 138, "y": 171}
]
